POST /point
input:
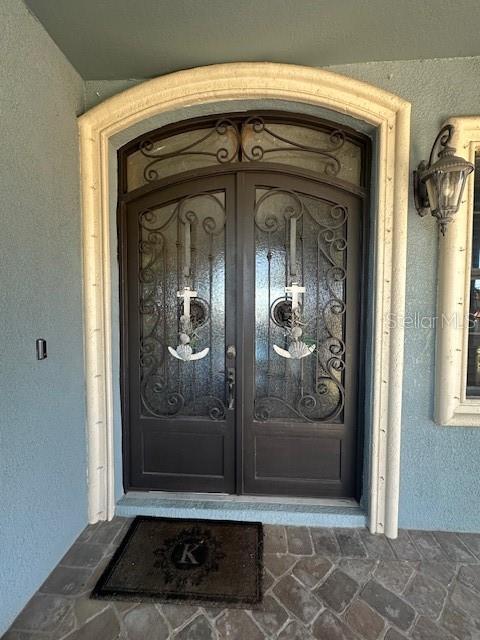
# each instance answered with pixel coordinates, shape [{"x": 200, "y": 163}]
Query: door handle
[{"x": 231, "y": 387}]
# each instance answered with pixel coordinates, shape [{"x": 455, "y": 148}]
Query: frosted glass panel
[
  {"x": 170, "y": 387},
  {"x": 313, "y": 256},
  {"x": 328, "y": 152},
  {"x": 181, "y": 152}
]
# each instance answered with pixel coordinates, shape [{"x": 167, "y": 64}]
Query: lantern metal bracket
[{"x": 420, "y": 194}]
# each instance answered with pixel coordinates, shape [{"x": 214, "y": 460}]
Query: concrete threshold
[{"x": 269, "y": 510}]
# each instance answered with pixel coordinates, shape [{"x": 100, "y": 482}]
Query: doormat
[{"x": 165, "y": 559}]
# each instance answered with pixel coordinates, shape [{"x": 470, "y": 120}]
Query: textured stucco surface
[
  {"x": 440, "y": 472},
  {"x": 42, "y": 441}
]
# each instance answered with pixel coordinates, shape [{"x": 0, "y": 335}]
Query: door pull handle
[{"x": 231, "y": 387}]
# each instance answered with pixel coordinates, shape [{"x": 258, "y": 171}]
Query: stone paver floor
[{"x": 341, "y": 584}]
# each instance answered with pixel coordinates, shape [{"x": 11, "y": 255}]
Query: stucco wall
[
  {"x": 42, "y": 441},
  {"x": 440, "y": 473}
]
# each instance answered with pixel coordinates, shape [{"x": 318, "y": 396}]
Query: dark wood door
[{"x": 271, "y": 266}]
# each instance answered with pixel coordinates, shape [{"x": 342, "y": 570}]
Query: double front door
[{"x": 242, "y": 313}]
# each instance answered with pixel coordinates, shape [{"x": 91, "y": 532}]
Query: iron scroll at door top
[{"x": 325, "y": 148}]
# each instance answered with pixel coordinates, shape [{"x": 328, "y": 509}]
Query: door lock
[{"x": 231, "y": 352}]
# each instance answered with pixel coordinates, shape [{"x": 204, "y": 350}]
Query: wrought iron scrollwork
[
  {"x": 170, "y": 388},
  {"x": 312, "y": 393},
  {"x": 221, "y": 155},
  {"x": 250, "y": 140},
  {"x": 257, "y": 151}
]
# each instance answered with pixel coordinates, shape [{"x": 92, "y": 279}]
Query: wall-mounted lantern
[{"x": 438, "y": 186}]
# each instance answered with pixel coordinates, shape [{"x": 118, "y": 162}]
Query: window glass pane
[
  {"x": 476, "y": 241},
  {"x": 473, "y": 368}
]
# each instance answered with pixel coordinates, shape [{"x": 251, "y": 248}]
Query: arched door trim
[{"x": 242, "y": 81}]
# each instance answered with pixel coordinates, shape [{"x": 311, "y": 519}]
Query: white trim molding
[
  {"x": 452, "y": 407},
  {"x": 389, "y": 114}
]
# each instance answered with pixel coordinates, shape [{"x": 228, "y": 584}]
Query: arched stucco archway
[{"x": 389, "y": 114}]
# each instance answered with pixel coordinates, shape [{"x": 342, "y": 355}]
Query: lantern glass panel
[
  {"x": 450, "y": 190},
  {"x": 432, "y": 185}
]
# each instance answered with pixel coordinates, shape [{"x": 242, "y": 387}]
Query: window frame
[{"x": 452, "y": 406}]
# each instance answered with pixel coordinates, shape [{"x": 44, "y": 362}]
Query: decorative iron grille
[
  {"x": 308, "y": 389},
  {"x": 326, "y": 150},
  {"x": 170, "y": 387}
]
